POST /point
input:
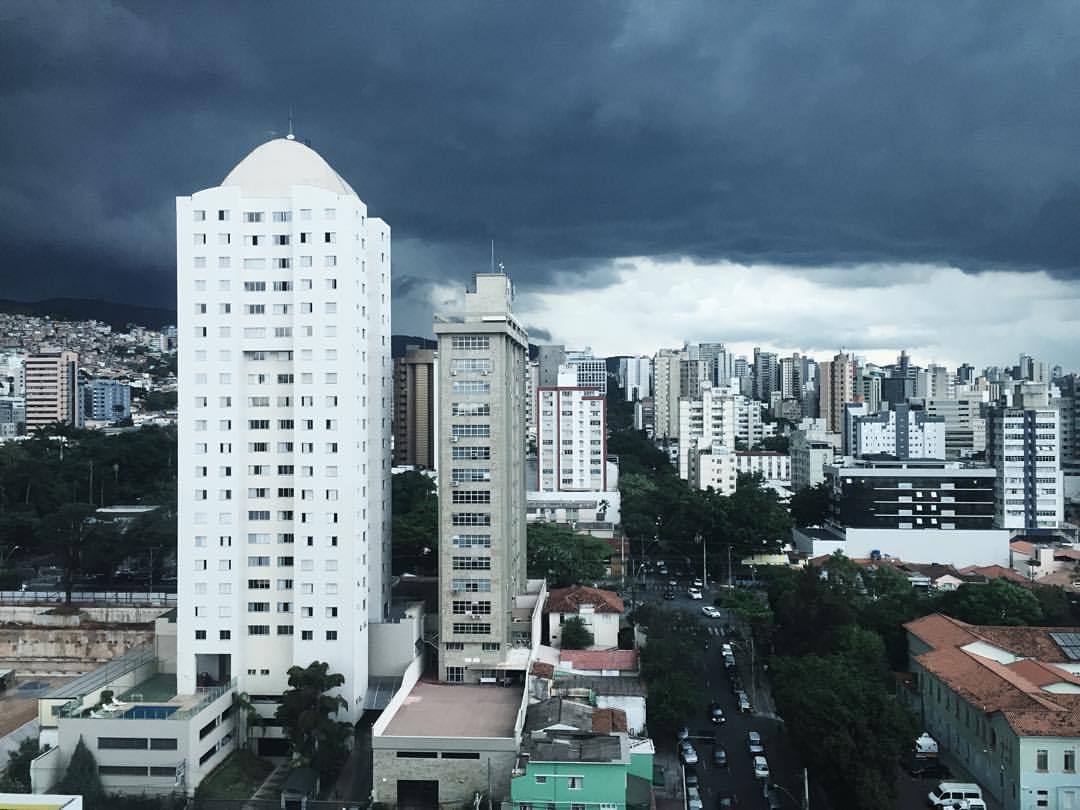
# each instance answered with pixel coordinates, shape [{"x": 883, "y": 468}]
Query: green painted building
[{"x": 575, "y": 770}]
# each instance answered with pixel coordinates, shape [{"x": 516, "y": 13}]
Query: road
[{"x": 715, "y": 685}]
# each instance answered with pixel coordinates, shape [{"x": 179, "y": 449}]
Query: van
[{"x": 953, "y": 794}]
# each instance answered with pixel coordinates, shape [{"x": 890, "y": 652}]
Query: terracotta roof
[
  {"x": 569, "y": 600},
  {"x": 1023, "y": 547},
  {"x": 606, "y": 721},
  {"x": 1015, "y": 689},
  {"x": 1066, "y": 554},
  {"x": 995, "y": 572},
  {"x": 621, "y": 660},
  {"x": 543, "y": 670}
]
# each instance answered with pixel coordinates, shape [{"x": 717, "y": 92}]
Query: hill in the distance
[{"x": 86, "y": 309}]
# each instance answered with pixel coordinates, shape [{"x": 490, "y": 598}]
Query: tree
[
  {"x": 999, "y": 603},
  {"x": 16, "y": 777},
  {"x": 810, "y": 505},
  {"x": 575, "y": 634},
  {"x": 81, "y": 777},
  {"x": 306, "y": 712},
  {"x": 773, "y": 444},
  {"x": 414, "y": 527},
  {"x": 563, "y": 556}
]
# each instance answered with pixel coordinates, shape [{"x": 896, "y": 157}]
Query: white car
[
  {"x": 694, "y": 593},
  {"x": 761, "y": 768},
  {"x": 688, "y": 754},
  {"x": 753, "y": 741},
  {"x": 710, "y": 612},
  {"x": 698, "y": 582}
]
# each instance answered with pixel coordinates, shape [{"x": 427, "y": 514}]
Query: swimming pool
[{"x": 149, "y": 712}]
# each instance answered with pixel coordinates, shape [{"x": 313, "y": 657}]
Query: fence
[{"x": 88, "y": 598}]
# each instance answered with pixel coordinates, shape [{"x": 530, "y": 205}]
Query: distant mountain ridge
[{"x": 92, "y": 309}]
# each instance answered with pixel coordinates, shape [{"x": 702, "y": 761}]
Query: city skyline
[{"x": 839, "y": 163}]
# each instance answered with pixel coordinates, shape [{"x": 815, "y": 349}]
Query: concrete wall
[
  {"x": 39, "y": 615},
  {"x": 957, "y": 547},
  {"x": 66, "y": 650},
  {"x": 394, "y": 645},
  {"x": 633, "y": 705},
  {"x": 459, "y": 779}
]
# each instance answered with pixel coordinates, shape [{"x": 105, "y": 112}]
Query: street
[{"x": 737, "y": 779}]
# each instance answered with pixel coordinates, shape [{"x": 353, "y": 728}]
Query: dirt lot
[{"x": 18, "y": 704}]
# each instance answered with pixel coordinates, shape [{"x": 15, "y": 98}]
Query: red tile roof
[
  {"x": 1023, "y": 547},
  {"x": 621, "y": 660},
  {"x": 996, "y": 572},
  {"x": 1015, "y": 689},
  {"x": 543, "y": 670},
  {"x": 569, "y": 600}
]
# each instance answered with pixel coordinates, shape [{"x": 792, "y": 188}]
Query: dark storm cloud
[{"x": 831, "y": 133}]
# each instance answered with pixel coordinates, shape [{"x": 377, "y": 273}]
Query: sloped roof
[
  {"x": 995, "y": 572},
  {"x": 606, "y": 721},
  {"x": 558, "y": 711},
  {"x": 273, "y": 168},
  {"x": 570, "y": 600}
]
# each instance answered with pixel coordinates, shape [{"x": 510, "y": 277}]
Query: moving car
[
  {"x": 688, "y": 754},
  {"x": 719, "y": 757},
  {"x": 753, "y": 742},
  {"x": 669, "y": 595},
  {"x": 694, "y": 593},
  {"x": 710, "y": 612},
  {"x": 729, "y": 660},
  {"x": 691, "y": 778},
  {"x": 682, "y": 733},
  {"x": 693, "y": 799},
  {"x": 761, "y": 767},
  {"x": 725, "y": 648},
  {"x": 716, "y": 714}
]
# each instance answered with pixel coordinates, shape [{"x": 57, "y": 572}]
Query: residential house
[
  {"x": 608, "y": 663},
  {"x": 600, "y": 611}
]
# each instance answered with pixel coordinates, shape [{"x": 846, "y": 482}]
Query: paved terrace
[{"x": 456, "y": 710}]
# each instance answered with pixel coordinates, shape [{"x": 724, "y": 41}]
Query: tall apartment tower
[
  {"x": 571, "y": 436},
  {"x": 283, "y": 290},
  {"x": 1023, "y": 444},
  {"x": 414, "y": 408},
  {"x": 837, "y": 388},
  {"x": 52, "y": 389},
  {"x": 483, "y": 353},
  {"x": 667, "y": 368}
]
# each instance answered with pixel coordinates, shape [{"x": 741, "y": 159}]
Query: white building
[
  {"x": 769, "y": 465},
  {"x": 810, "y": 452},
  {"x": 965, "y": 426},
  {"x": 710, "y": 420},
  {"x": 571, "y": 436},
  {"x": 283, "y": 289},
  {"x": 12, "y": 372},
  {"x": 1024, "y": 446},
  {"x": 900, "y": 432},
  {"x": 635, "y": 377},
  {"x": 666, "y": 392},
  {"x": 715, "y": 468},
  {"x": 591, "y": 371}
]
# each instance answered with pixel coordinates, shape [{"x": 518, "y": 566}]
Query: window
[
  {"x": 162, "y": 744},
  {"x": 306, "y": 635},
  {"x": 200, "y": 635},
  {"x": 224, "y": 635},
  {"x": 478, "y": 431},
  {"x": 331, "y": 635},
  {"x": 472, "y": 563},
  {"x": 472, "y": 496},
  {"x": 471, "y": 585},
  {"x": 123, "y": 743},
  {"x": 471, "y": 387},
  {"x": 1042, "y": 760},
  {"x": 470, "y": 342},
  {"x": 123, "y": 770},
  {"x": 470, "y": 364},
  {"x": 541, "y": 779},
  {"x": 471, "y": 628},
  {"x": 472, "y": 540},
  {"x": 455, "y": 674},
  {"x": 258, "y": 629},
  {"x": 574, "y": 782},
  {"x": 470, "y": 453},
  {"x": 470, "y": 519},
  {"x": 1070, "y": 762}
]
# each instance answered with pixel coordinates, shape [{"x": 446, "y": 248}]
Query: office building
[
  {"x": 791, "y": 377},
  {"x": 693, "y": 374},
  {"x": 571, "y": 436},
  {"x": 107, "y": 400},
  {"x": 12, "y": 373},
  {"x": 666, "y": 387},
  {"x": 1024, "y": 446},
  {"x": 719, "y": 360},
  {"x": 591, "y": 371},
  {"x": 483, "y": 353},
  {"x": 965, "y": 425},
  {"x": 766, "y": 371},
  {"x": 52, "y": 389},
  {"x": 414, "y": 408},
  {"x": 285, "y": 388},
  {"x": 836, "y": 389}
]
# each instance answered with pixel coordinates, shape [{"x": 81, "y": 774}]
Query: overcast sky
[{"x": 796, "y": 175}]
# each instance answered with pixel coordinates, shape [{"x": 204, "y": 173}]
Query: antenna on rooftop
[
  {"x": 290, "y": 136},
  {"x": 492, "y": 255}
]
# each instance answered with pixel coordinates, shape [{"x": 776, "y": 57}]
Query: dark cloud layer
[{"x": 833, "y": 133}]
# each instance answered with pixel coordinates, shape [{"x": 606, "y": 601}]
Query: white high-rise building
[
  {"x": 571, "y": 437},
  {"x": 1024, "y": 446},
  {"x": 283, "y": 289},
  {"x": 591, "y": 371},
  {"x": 901, "y": 432},
  {"x": 635, "y": 377},
  {"x": 704, "y": 423},
  {"x": 667, "y": 388}
]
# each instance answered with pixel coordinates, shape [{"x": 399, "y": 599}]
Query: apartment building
[
  {"x": 1024, "y": 446},
  {"x": 703, "y": 422},
  {"x": 283, "y": 289},
  {"x": 414, "y": 408},
  {"x": 52, "y": 389},
  {"x": 571, "y": 436}
]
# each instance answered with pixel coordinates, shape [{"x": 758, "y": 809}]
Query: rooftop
[
  {"x": 570, "y": 600},
  {"x": 272, "y": 169},
  {"x": 620, "y": 660},
  {"x": 1020, "y": 672},
  {"x": 575, "y": 747},
  {"x": 456, "y": 710}
]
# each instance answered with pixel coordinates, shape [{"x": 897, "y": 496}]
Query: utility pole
[
  {"x": 704, "y": 563},
  {"x": 729, "y": 565},
  {"x": 806, "y": 789}
]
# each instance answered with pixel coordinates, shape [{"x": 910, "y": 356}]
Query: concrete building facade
[
  {"x": 415, "y": 392},
  {"x": 571, "y": 436},
  {"x": 52, "y": 389}
]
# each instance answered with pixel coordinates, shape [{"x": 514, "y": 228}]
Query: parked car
[
  {"x": 693, "y": 799},
  {"x": 930, "y": 770},
  {"x": 673, "y": 583},
  {"x": 694, "y": 593},
  {"x": 719, "y": 757},
  {"x": 710, "y": 612},
  {"x": 954, "y": 794},
  {"x": 691, "y": 778},
  {"x": 698, "y": 582},
  {"x": 761, "y": 767},
  {"x": 682, "y": 733},
  {"x": 753, "y": 742},
  {"x": 744, "y": 702},
  {"x": 728, "y": 802},
  {"x": 669, "y": 595},
  {"x": 688, "y": 754},
  {"x": 729, "y": 660}
]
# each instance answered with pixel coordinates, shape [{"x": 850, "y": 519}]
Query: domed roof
[{"x": 272, "y": 169}]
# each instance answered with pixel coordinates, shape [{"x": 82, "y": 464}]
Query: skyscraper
[
  {"x": 837, "y": 387},
  {"x": 483, "y": 353},
  {"x": 414, "y": 408},
  {"x": 283, "y": 289}
]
